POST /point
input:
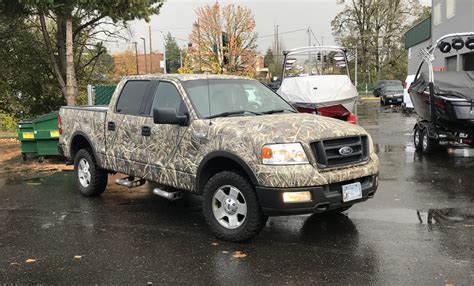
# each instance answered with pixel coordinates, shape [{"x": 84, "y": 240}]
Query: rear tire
[
  {"x": 231, "y": 207},
  {"x": 90, "y": 179},
  {"x": 428, "y": 145}
]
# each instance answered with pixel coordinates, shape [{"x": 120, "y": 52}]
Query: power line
[
  {"x": 282, "y": 33},
  {"x": 311, "y": 30}
]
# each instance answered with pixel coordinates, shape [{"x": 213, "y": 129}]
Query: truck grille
[{"x": 341, "y": 151}]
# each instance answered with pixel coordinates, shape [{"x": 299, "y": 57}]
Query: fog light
[{"x": 296, "y": 197}]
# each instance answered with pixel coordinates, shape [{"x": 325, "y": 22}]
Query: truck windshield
[
  {"x": 213, "y": 97},
  {"x": 393, "y": 88}
]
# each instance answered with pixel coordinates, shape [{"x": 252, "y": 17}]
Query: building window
[
  {"x": 437, "y": 14},
  {"x": 450, "y": 8}
]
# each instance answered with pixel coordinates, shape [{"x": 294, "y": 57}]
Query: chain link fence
[{"x": 100, "y": 94}]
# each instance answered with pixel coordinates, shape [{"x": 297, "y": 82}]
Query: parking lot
[{"x": 419, "y": 228}]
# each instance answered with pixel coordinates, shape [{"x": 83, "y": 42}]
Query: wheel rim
[
  {"x": 84, "y": 173},
  {"x": 229, "y": 207},
  {"x": 425, "y": 141},
  {"x": 417, "y": 138}
]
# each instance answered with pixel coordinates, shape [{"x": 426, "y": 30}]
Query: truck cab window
[
  {"x": 132, "y": 96},
  {"x": 167, "y": 96}
]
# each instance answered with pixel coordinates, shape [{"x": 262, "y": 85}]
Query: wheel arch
[
  {"x": 218, "y": 161},
  {"x": 80, "y": 140}
]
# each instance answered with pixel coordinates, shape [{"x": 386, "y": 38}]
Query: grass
[{"x": 8, "y": 134}]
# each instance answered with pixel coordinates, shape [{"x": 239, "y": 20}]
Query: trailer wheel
[
  {"x": 428, "y": 145},
  {"x": 417, "y": 138}
]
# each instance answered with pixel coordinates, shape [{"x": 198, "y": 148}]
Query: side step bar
[
  {"x": 130, "y": 182},
  {"x": 172, "y": 196}
]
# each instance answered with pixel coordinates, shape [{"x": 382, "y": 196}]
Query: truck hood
[{"x": 282, "y": 128}]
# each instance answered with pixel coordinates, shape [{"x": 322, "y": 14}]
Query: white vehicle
[
  {"x": 316, "y": 80},
  {"x": 407, "y": 104}
]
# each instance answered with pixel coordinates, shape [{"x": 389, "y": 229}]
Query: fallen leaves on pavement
[
  {"x": 239, "y": 254},
  {"x": 30, "y": 260}
]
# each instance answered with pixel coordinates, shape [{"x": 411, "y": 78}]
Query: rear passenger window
[
  {"x": 167, "y": 96},
  {"x": 132, "y": 96}
]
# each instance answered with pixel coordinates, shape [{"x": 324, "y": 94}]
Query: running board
[
  {"x": 172, "y": 196},
  {"x": 130, "y": 182}
]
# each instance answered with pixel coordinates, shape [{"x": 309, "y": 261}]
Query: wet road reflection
[{"x": 419, "y": 229}]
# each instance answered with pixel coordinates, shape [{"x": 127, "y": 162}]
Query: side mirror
[
  {"x": 169, "y": 116},
  {"x": 376, "y": 92}
]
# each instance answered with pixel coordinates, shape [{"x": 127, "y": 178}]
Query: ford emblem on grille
[{"x": 346, "y": 150}]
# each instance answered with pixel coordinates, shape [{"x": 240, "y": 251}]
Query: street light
[
  {"x": 144, "y": 50},
  {"x": 136, "y": 54}
]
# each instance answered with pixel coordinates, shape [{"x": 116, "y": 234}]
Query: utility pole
[
  {"x": 199, "y": 45},
  {"x": 309, "y": 53},
  {"x": 151, "y": 50},
  {"x": 164, "y": 52},
  {"x": 356, "y": 60},
  {"x": 136, "y": 55},
  {"x": 144, "y": 51}
]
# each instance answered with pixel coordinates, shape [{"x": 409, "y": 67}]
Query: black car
[{"x": 389, "y": 91}]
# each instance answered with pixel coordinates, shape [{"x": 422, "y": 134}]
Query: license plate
[
  {"x": 54, "y": 133},
  {"x": 28, "y": 135},
  {"x": 351, "y": 192}
]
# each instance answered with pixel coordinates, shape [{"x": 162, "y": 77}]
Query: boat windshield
[{"x": 316, "y": 63}]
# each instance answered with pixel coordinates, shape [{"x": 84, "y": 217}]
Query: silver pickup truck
[{"x": 230, "y": 139}]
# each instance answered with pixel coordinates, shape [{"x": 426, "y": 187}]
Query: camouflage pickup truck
[{"x": 230, "y": 139}]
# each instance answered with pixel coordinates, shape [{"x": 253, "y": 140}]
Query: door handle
[
  {"x": 111, "y": 126},
  {"x": 146, "y": 131}
]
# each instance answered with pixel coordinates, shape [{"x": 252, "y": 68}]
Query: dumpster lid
[{"x": 47, "y": 116}]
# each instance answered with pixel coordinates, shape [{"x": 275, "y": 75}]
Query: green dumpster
[
  {"x": 26, "y": 136},
  {"x": 46, "y": 134}
]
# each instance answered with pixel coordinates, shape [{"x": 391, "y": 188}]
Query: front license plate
[
  {"x": 54, "y": 133},
  {"x": 351, "y": 192}
]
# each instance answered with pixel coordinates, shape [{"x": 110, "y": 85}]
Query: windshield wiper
[
  {"x": 277, "y": 111},
  {"x": 230, "y": 113}
]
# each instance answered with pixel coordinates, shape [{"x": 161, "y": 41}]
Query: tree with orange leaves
[
  {"x": 125, "y": 64},
  {"x": 223, "y": 40}
]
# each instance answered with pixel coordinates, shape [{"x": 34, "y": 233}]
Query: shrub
[{"x": 7, "y": 122}]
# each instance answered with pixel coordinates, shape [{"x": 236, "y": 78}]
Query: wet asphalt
[{"x": 418, "y": 230}]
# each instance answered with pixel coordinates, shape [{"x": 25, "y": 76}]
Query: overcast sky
[{"x": 177, "y": 17}]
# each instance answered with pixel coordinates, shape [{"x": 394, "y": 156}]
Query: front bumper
[
  {"x": 323, "y": 198},
  {"x": 393, "y": 100}
]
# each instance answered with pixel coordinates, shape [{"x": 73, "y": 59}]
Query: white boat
[{"x": 316, "y": 80}]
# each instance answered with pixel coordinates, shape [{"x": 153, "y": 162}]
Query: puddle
[
  {"x": 445, "y": 216},
  {"x": 461, "y": 152}
]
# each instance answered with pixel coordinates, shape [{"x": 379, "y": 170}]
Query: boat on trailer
[
  {"x": 316, "y": 80},
  {"x": 444, "y": 100}
]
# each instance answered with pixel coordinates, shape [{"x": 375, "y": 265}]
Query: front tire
[
  {"x": 90, "y": 179},
  {"x": 231, "y": 207}
]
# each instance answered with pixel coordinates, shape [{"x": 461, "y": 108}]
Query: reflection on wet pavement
[{"x": 418, "y": 230}]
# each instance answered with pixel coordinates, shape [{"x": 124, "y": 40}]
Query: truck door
[
  {"x": 123, "y": 125},
  {"x": 159, "y": 143}
]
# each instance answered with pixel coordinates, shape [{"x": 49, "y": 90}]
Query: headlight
[
  {"x": 284, "y": 154},
  {"x": 389, "y": 95},
  {"x": 371, "y": 144}
]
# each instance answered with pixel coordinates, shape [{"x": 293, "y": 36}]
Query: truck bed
[{"x": 88, "y": 120}]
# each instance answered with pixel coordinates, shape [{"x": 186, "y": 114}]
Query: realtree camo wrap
[{"x": 172, "y": 154}]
